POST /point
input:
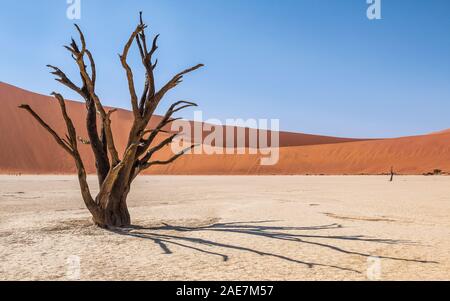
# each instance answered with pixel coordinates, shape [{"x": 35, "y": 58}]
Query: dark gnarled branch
[
  {"x": 90, "y": 87},
  {"x": 166, "y": 120},
  {"x": 146, "y": 56},
  {"x": 69, "y": 146},
  {"x": 158, "y": 147},
  {"x": 61, "y": 141},
  {"x": 147, "y": 165},
  {"x": 177, "y": 79},
  {"x": 129, "y": 72}
]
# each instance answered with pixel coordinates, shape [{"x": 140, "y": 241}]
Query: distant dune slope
[{"x": 26, "y": 148}]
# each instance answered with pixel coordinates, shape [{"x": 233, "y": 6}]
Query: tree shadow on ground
[{"x": 166, "y": 235}]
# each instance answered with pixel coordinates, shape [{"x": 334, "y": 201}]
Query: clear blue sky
[{"x": 320, "y": 66}]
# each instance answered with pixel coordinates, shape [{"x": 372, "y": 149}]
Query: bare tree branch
[
  {"x": 58, "y": 139},
  {"x": 63, "y": 79},
  {"x": 69, "y": 124},
  {"x": 79, "y": 54},
  {"x": 160, "y": 146},
  {"x": 147, "y": 165},
  {"x": 154, "y": 45},
  {"x": 151, "y": 106},
  {"x": 166, "y": 120},
  {"x": 142, "y": 34},
  {"x": 146, "y": 56},
  {"x": 149, "y": 90},
  {"x": 98, "y": 146},
  {"x": 123, "y": 59},
  {"x": 93, "y": 68},
  {"x": 83, "y": 41},
  {"x": 70, "y": 147}
]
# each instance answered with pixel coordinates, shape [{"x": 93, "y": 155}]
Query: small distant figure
[{"x": 392, "y": 174}]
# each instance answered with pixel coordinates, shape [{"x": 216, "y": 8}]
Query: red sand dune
[{"x": 28, "y": 149}]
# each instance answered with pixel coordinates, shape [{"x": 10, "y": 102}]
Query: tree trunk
[{"x": 114, "y": 211}]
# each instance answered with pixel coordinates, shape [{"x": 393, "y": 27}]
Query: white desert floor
[{"x": 231, "y": 228}]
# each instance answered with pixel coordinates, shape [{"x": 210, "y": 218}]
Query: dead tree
[
  {"x": 115, "y": 173},
  {"x": 392, "y": 174}
]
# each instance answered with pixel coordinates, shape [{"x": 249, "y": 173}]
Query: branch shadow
[{"x": 258, "y": 228}]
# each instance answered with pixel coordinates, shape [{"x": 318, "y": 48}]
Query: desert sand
[
  {"x": 28, "y": 149},
  {"x": 232, "y": 228}
]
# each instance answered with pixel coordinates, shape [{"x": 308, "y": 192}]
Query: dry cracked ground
[{"x": 231, "y": 228}]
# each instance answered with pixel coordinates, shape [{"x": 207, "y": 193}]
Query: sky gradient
[{"x": 320, "y": 66}]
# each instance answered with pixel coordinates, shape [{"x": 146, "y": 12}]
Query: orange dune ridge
[{"x": 26, "y": 148}]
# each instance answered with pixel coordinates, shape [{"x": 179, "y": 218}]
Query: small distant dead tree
[
  {"x": 392, "y": 174},
  {"x": 115, "y": 174}
]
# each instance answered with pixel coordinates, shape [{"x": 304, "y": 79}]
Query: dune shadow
[{"x": 171, "y": 235}]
